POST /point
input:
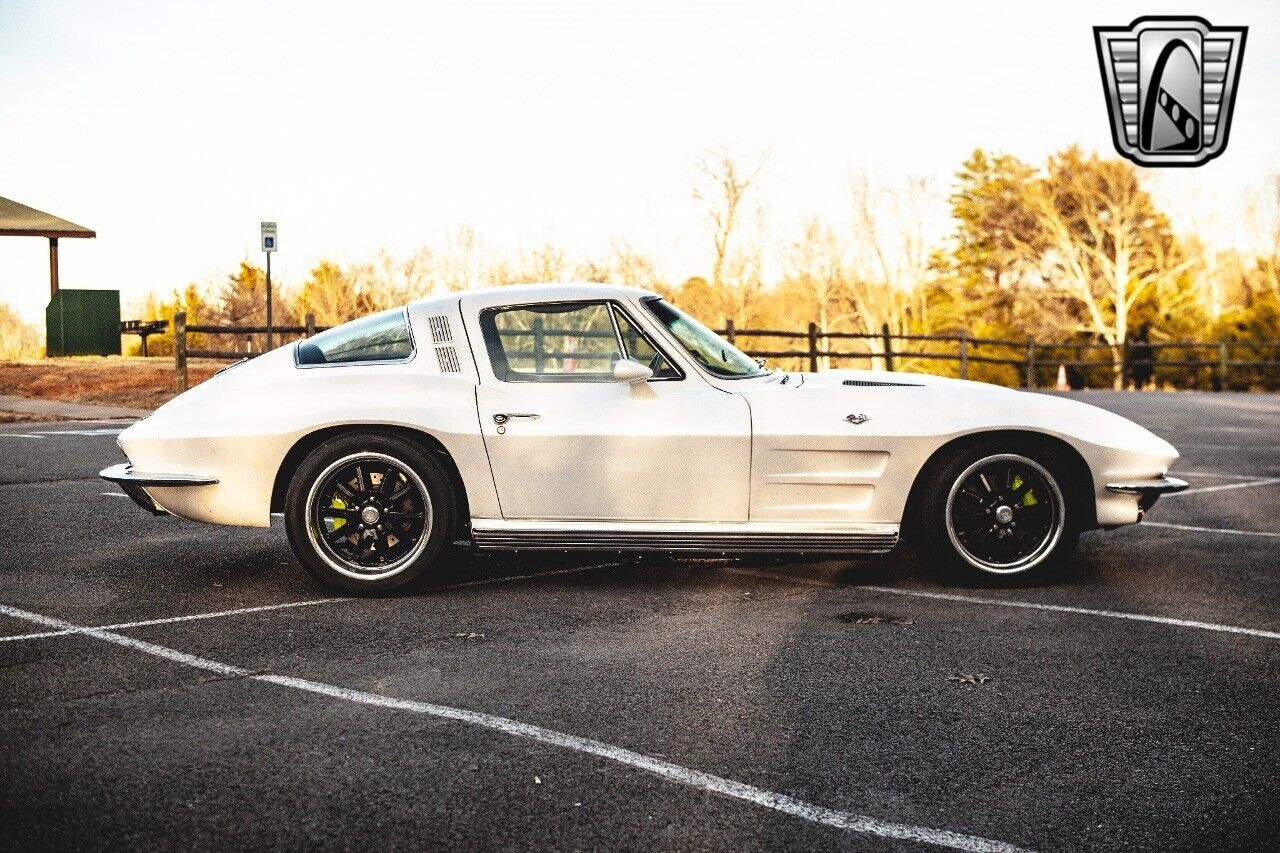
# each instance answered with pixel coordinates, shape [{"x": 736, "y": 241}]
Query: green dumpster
[{"x": 83, "y": 322}]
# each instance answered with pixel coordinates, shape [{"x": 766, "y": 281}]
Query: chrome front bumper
[
  {"x": 1148, "y": 491},
  {"x": 134, "y": 482}
]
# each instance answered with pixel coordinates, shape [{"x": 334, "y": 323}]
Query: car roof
[{"x": 567, "y": 291}]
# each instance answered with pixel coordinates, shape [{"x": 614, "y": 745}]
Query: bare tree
[
  {"x": 18, "y": 338},
  {"x": 1263, "y": 217},
  {"x": 888, "y": 258},
  {"x": 723, "y": 185},
  {"x": 459, "y": 262},
  {"x": 1102, "y": 244},
  {"x": 623, "y": 264},
  {"x": 815, "y": 264},
  {"x": 399, "y": 279},
  {"x": 547, "y": 262}
]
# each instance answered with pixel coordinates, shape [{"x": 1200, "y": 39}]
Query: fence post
[
  {"x": 539, "y": 345},
  {"x": 964, "y": 354},
  {"x": 813, "y": 347},
  {"x": 1031, "y": 362},
  {"x": 180, "y": 350},
  {"x": 1222, "y": 363},
  {"x": 729, "y": 332},
  {"x": 311, "y": 324},
  {"x": 1124, "y": 363},
  {"x": 888, "y": 347}
]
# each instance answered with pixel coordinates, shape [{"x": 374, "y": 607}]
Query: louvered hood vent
[{"x": 877, "y": 383}]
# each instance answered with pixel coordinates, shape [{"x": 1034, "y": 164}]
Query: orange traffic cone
[{"x": 1062, "y": 379}]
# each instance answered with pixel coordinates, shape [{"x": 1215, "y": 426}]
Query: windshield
[{"x": 707, "y": 348}]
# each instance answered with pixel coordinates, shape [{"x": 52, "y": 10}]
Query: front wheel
[
  {"x": 368, "y": 512},
  {"x": 1000, "y": 514}
]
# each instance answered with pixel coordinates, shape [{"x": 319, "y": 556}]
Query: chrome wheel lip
[
  {"x": 353, "y": 570},
  {"x": 1041, "y": 551}
]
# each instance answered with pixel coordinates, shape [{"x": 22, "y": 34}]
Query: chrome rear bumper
[
  {"x": 1149, "y": 490},
  {"x": 134, "y": 482}
]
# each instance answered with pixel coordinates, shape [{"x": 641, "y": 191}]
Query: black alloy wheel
[
  {"x": 1004, "y": 512},
  {"x": 370, "y": 512},
  {"x": 1000, "y": 511}
]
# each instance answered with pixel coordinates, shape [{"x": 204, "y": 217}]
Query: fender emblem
[{"x": 856, "y": 419}]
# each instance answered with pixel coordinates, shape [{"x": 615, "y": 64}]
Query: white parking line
[
  {"x": 243, "y": 610},
  {"x": 663, "y": 769},
  {"x": 1211, "y": 529},
  {"x": 1200, "y": 490},
  {"x": 1000, "y": 602},
  {"x": 47, "y": 433},
  {"x": 171, "y": 619},
  {"x": 82, "y": 431}
]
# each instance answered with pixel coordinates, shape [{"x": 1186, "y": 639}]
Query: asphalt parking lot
[{"x": 525, "y": 702}]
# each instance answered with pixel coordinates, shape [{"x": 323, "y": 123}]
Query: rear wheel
[
  {"x": 368, "y": 512},
  {"x": 996, "y": 513}
]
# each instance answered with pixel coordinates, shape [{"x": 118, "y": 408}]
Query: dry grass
[
  {"x": 107, "y": 380},
  {"x": 27, "y": 418}
]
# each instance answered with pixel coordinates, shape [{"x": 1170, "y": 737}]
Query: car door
[{"x": 568, "y": 442}]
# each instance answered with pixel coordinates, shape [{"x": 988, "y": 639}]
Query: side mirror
[{"x": 631, "y": 372}]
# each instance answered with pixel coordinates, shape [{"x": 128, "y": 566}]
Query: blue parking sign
[{"x": 268, "y": 236}]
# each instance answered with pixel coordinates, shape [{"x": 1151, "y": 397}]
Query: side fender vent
[
  {"x": 874, "y": 383},
  {"x": 447, "y": 357},
  {"x": 440, "y": 331}
]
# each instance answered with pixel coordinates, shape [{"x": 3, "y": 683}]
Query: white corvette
[{"x": 593, "y": 417}]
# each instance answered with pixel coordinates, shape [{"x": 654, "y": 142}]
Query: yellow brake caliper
[
  {"x": 338, "y": 503},
  {"x": 1029, "y": 499}
]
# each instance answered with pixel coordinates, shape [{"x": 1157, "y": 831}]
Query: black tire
[
  {"x": 395, "y": 496},
  {"x": 974, "y": 501}
]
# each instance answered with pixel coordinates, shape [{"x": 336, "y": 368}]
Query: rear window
[{"x": 380, "y": 337}]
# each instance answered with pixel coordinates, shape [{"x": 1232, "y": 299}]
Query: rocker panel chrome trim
[{"x": 870, "y": 539}]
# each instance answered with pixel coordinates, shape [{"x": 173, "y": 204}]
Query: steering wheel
[{"x": 655, "y": 363}]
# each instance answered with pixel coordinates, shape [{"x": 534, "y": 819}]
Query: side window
[
  {"x": 639, "y": 348},
  {"x": 567, "y": 342},
  {"x": 380, "y": 337}
]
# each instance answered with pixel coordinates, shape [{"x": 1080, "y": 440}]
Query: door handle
[{"x": 502, "y": 417}]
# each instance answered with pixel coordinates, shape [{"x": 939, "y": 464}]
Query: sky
[{"x": 174, "y": 128}]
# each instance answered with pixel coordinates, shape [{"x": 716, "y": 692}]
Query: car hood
[
  {"x": 877, "y": 378},
  {"x": 911, "y": 404}
]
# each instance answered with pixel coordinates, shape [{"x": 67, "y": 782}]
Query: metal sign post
[{"x": 269, "y": 246}]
